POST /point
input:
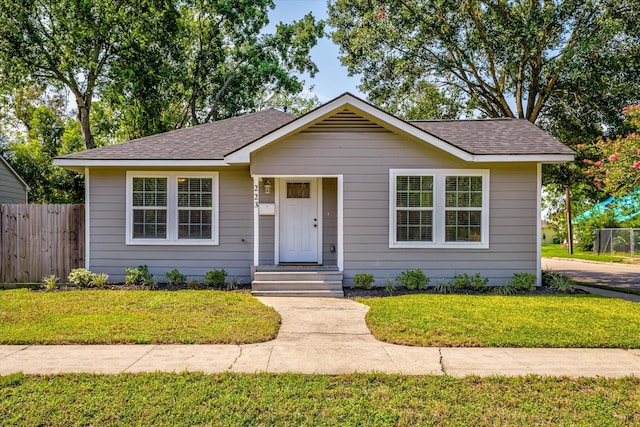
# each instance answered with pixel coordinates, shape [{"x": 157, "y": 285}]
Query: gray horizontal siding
[
  {"x": 364, "y": 160},
  {"x": 110, "y": 254},
  {"x": 11, "y": 189}
]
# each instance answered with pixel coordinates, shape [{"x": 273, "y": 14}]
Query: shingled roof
[
  {"x": 208, "y": 141},
  {"x": 222, "y": 140},
  {"x": 494, "y": 136}
]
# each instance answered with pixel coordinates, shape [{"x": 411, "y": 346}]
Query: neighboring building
[
  {"x": 344, "y": 189},
  {"x": 13, "y": 189},
  {"x": 549, "y": 235}
]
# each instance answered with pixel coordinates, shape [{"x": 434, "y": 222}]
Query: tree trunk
[
  {"x": 84, "y": 109},
  {"x": 569, "y": 225}
]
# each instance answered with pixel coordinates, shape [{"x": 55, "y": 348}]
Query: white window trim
[
  {"x": 439, "y": 176},
  {"x": 172, "y": 208}
]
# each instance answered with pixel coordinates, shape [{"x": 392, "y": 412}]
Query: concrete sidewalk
[{"x": 327, "y": 336}]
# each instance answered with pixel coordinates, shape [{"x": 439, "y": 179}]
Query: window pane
[
  {"x": 149, "y": 192},
  {"x": 414, "y": 191},
  {"x": 149, "y": 224},
  {"x": 298, "y": 190},
  {"x": 463, "y": 226},
  {"x": 194, "y": 224},
  {"x": 414, "y": 226},
  {"x": 463, "y": 192},
  {"x": 195, "y": 192}
]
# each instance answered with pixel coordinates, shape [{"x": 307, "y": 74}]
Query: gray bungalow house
[
  {"x": 302, "y": 204},
  {"x": 13, "y": 189}
]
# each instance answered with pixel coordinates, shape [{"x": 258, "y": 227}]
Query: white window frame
[
  {"x": 439, "y": 208},
  {"x": 172, "y": 208}
]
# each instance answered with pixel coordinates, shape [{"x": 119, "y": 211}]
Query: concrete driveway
[{"x": 610, "y": 274}]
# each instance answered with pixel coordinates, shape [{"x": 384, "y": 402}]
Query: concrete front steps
[{"x": 296, "y": 281}]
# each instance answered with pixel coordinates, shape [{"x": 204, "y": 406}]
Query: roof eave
[
  {"x": 78, "y": 165},
  {"x": 523, "y": 158}
]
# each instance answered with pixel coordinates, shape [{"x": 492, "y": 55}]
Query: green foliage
[
  {"x": 504, "y": 290},
  {"x": 233, "y": 284},
  {"x": 492, "y": 52},
  {"x": 80, "y": 277},
  {"x": 413, "y": 279},
  {"x": 194, "y": 284},
  {"x": 50, "y": 282},
  {"x": 444, "y": 287},
  {"x": 523, "y": 282},
  {"x": 472, "y": 283},
  {"x": 215, "y": 278},
  {"x": 99, "y": 280},
  {"x": 175, "y": 278},
  {"x": 363, "y": 280},
  {"x": 140, "y": 276},
  {"x": 558, "y": 281},
  {"x": 389, "y": 286}
]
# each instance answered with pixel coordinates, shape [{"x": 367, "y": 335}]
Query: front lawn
[
  {"x": 319, "y": 400},
  {"x": 134, "y": 317},
  {"x": 504, "y": 321}
]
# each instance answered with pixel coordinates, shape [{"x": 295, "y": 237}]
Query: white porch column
[
  {"x": 538, "y": 223},
  {"x": 340, "y": 260},
  {"x": 256, "y": 221}
]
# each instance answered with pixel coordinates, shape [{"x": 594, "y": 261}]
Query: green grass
[
  {"x": 504, "y": 321},
  {"x": 140, "y": 317},
  {"x": 297, "y": 400},
  {"x": 556, "y": 251}
]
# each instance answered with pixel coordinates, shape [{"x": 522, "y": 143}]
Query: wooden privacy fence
[{"x": 38, "y": 240}]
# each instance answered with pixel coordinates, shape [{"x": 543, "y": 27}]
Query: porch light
[{"x": 267, "y": 187}]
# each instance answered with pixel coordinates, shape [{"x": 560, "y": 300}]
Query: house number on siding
[{"x": 256, "y": 196}]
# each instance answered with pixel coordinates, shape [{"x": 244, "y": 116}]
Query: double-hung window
[
  {"x": 439, "y": 208},
  {"x": 172, "y": 208}
]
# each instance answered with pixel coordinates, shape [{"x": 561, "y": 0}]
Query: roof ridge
[{"x": 486, "y": 119}]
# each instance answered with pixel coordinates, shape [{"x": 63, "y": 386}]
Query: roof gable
[
  {"x": 14, "y": 173},
  {"x": 353, "y": 110}
]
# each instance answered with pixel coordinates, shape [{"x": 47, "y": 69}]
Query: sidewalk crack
[
  {"x": 139, "y": 358},
  {"x": 441, "y": 361},
  {"x": 22, "y": 348},
  {"x": 230, "y": 368}
]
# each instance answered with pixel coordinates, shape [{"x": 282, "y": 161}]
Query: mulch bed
[{"x": 382, "y": 292}]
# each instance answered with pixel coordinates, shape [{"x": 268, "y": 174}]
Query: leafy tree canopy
[{"x": 503, "y": 58}]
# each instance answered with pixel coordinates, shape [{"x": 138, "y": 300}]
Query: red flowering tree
[{"x": 614, "y": 164}]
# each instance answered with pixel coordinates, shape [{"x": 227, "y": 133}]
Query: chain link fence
[{"x": 617, "y": 241}]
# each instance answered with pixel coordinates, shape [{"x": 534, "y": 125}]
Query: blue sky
[{"x": 332, "y": 78}]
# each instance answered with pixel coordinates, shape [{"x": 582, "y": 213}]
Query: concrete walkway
[{"x": 319, "y": 335}]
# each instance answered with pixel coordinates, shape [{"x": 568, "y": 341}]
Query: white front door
[{"x": 299, "y": 221}]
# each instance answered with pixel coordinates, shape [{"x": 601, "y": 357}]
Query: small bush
[
  {"x": 444, "y": 287},
  {"x": 194, "y": 284},
  {"x": 80, "y": 277},
  {"x": 99, "y": 280},
  {"x": 524, "y": 282},
  {"x": 505, "y": 290},
  {"x": 389, "y": 286},
  {"x": 363, "y": 280},
  {"x": 175, "y": 278},
  {"x": 558, "y": 281},
  {"x": 140, "y": 276},
  {"x": 215, "y": 278},
  {"x": 413, "y": 279},
  {"x": 50, "y": 282},
  {"x": 233, "y": 284},
  {"x": 472, "y": 283}
]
